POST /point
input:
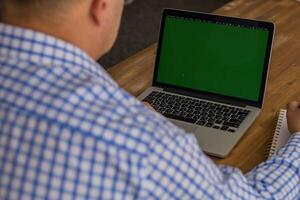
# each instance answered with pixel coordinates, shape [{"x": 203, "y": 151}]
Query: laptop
[{"x": 210, "y": 75}]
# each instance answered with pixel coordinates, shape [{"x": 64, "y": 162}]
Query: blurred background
[{"x": 140, "y": 25}]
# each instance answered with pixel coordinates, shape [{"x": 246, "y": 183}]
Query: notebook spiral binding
[{"x": 274, "y": 142}]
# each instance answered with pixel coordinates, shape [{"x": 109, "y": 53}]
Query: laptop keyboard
[{"x": 209, "y": 114}]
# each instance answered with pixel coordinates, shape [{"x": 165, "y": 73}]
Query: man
[{"x": 69, "y": 132}]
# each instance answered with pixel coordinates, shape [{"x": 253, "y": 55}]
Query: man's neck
[{"x": 66, "y": 33}]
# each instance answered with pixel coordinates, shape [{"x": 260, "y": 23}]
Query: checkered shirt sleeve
[{"x": 67, "y": 131}]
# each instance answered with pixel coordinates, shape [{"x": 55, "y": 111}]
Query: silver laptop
[{"x": 210, "y": 75}]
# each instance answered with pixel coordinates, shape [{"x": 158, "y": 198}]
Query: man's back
[{"x": 67, "y": 131}]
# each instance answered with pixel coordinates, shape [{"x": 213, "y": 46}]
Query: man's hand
[
  {"x": 293, "y": 116},
  {"x": 148, "y": 105}
]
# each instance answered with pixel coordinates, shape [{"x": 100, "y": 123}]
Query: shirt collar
[{"x": 37, "y": 47}]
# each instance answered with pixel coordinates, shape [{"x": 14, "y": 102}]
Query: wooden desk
[{"x": 135, "y": 73}]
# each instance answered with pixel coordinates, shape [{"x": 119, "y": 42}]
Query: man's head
[{"x": 90, "y": 24}]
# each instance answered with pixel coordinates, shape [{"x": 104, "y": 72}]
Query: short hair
[
  {"x": 36, "y": 4},
  {"x": 34, "y": 8}
]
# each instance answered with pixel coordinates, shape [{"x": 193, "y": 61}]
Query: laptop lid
[{"x": 216, "y": 57}]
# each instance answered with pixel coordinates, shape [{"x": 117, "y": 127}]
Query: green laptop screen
[{"x": 212, "y": 57}]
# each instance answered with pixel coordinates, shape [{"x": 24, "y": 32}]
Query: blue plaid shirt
[{"x": 67, "y": 131}]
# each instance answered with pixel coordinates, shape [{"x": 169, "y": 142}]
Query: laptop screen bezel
[{"x": 269, "y": 26}]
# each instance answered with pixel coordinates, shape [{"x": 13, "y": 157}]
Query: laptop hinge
[{"x": 205, "y": 97}]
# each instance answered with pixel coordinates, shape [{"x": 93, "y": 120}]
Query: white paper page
[{"x": 284, "y": 133}]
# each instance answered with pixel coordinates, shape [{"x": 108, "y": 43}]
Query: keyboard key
[
  {"x": 175, "y": 112},
  {"x": 225, "y": 119},
  {"x": 183, "y": 109},
  {"x": 196, "y": 112},
  {"x": 161, "y": 110},
  {"x": 201, "y": 123},
  {"x": 212, "y": 115},
  {"x": 234, "y": 116},
  {"x": 190, "y": 114},
  {"x": 234, "y": 121},
  {"x": 235, "y": 125},
  {"x": 204, "y": 113},
  {"x": 211, "y": 120},
  {"x": 224, "y": 128},
  {"x": 198, "y": 108},
  {"x": 220, "y": 113},
  {"x": 219, "y": 122},
  {"x": 218, "y": 117},
  {"x": 216, "y": 127},
  {"x": 186, "y": 119},
  {"x": 184, "y": 113},
  {"x": 233, "y": 112},
  {"x": 168, "y": 111},
  {"x": 241, "y": 118},
  {"x": 190, "y": 110},
  {"x": 209, "y": 124}
]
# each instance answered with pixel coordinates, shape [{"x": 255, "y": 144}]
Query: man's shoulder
[
  {"x": 110, "y": 114},
  {"x": 84, "y": 102},
  {"x": 117, "y": 117}
]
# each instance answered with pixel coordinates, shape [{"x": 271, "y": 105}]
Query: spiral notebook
[{"x": 281, "y": 135}]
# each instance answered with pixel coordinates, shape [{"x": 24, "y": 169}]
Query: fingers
[
  {"x": 293, "y": 116},
  {"x": 292, "y": 108},
  {"x": 148, "y": 105},
  {"x": 294, "y": 105}
]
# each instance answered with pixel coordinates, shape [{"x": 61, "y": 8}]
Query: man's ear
[{"x": 96, "y": 10}]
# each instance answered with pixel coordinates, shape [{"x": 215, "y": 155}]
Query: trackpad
[{"x": 190, "y": 128}]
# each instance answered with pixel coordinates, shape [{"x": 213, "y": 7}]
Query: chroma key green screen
[{"x": 217, "y": 58}]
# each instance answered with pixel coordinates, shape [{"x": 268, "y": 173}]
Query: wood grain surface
[{"x": 135, "y": 74}]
